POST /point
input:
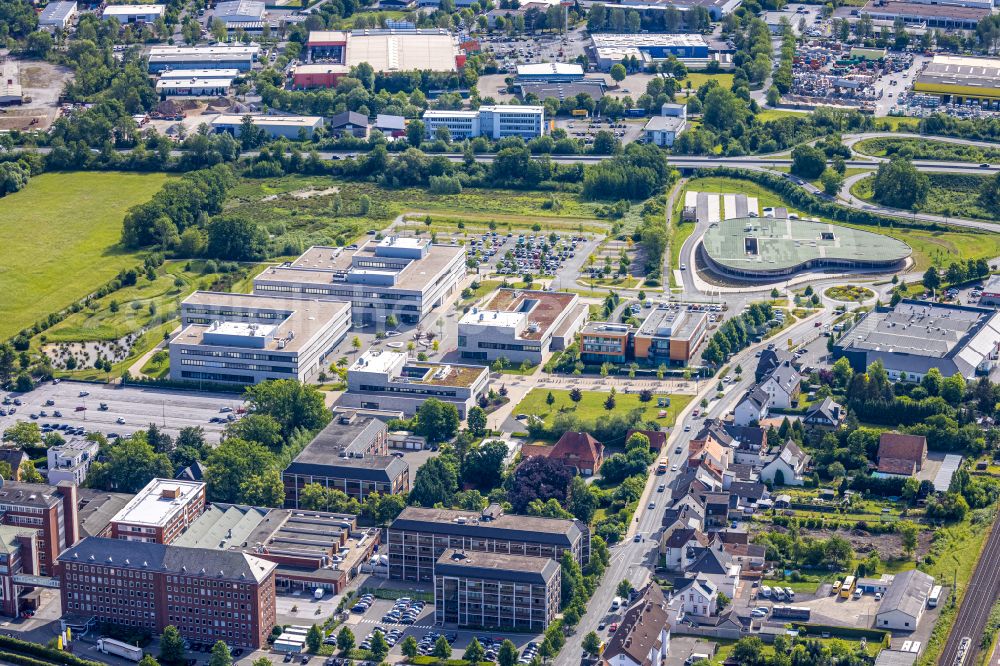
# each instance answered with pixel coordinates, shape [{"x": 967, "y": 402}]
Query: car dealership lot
[{"x": 129, "y": 408}]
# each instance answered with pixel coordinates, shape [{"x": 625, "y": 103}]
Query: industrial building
[
  {"x": 492, "y": 121},
  {"x": 147, "y": 586},
  {"x": 402, "y": 277},
  {"x": 521, "y": 325},
  {"x": 991, "y": 292},
  {"x": 134, "y": 13},
  {"x": 961, "y": 80},
  {"x": 649, "y": 48},
  {"x": 239, "y": 57},
  {"x": 768, "y": 248},
  {"x": 350, "y": 454},
  {"x": 237, "y": 12},
  {"x": 11, "y": 92},
  {"x": 593, "y": 87},
  {"x": 385, "y": 49},
  {"x": 915, "y": 336},
  {"x": 923, "y": 14},
  {"x": 193, "y": 87},
  {"x": 245, "y": 339},
  {"x": 904, "y": 602},
  {"x": 318, "y": 75},
  {"x": 289, "y": 127},
  {"x": 387, "y": 379},
  {"x": 551, "y": 72},
  {"x": 717, "y": 9},
  {"x": 418, "y": 537},
  {"x": 58, "y": 14},
  {"x": 496, "y": 590}
]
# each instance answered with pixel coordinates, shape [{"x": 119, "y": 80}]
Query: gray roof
[
  {"x": 556, "y": 531},
  {"x": 348, "y": 118},
  {"x": 141, "y": 556},
  {"x": 771, "y": 359},
  {"x": 895, "y": 658},
  {"x": 97, "y": 508},
  {"x": 222, "y": 525},
  {"x": 386, "y": 121},
  {"x": 545, "y": 89},
  {"x": 497, "y": 566},
  {"x": 665, "y": 124},
  {"x": 757, "y": 397},
  {"x": 907, "y": 594},
  {"x": 29, "y": 494},
  {"x": 785, "y": 376},
  {"x": 56, "y": 12},
  {"x": 825, "y": 410},
  {"x": 370, "y": 468}
]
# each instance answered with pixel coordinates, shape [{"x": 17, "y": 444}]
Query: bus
[
  {"x": 847, "y": 587},
  {"x": 791, "y": 612},
  {"x": 935, "y": 596},
  {"x": 579, "y": 113}
]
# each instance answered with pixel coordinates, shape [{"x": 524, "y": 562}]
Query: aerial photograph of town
[{"x": 500, "y": 333}]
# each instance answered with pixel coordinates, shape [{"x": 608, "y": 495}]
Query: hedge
[
  {"x": 21, "y": 659},
  {"x": 810, "y": 630},
  {"x": 46, "y": 653},
  {"x": 427, "y": 660}
]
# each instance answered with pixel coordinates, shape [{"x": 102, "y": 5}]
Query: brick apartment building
[
  {"x": 160, "y": 512},
  {"x": 418, "y": 537},
  {"x": 209, "y": 595},
  {"x": 50, "y": 511}
]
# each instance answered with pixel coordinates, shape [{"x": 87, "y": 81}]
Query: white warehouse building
[
  {"x": 134, "y": 13},
  {"x": 289, "y": 127}
]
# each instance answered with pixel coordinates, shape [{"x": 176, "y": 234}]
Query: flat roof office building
[
  {"x": 496, "y": 590},
  {"x": 350, "y": 454},
  {"x": 246, "y": 338},
  {"x": 160, "y": 512},
  {"x": 239, "y": 57},
  {"x": 239, "y": 11},
  {"x": 552, "y": 72},
  {"x": 492, "y": 121},
  {"x": 386, "y": 379},
  {"x": 669, "y": 335},
  {"x": 520, "y": 325},
  {"x": 915, "y": 336},
  {"x": 418, "y": 537},
  {"x": 403, "y": 277}
]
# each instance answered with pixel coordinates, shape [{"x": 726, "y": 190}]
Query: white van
[
  {"x": 765, "y": 591},
  {"x": 616, "y": 603},
  {"x": 694, "y": 658}
]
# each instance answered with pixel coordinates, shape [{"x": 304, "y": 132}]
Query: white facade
[
  {"x": 134, "y": 13},
  {"x": 71, "y": 461},
  {"x": 494, "y": 122},
  {"x": 390, "y": 380},
  {"x": 193, "y": 87},
  {"x": 240, "y": 57},
  {"x": 246, "y": 339},
  {"x": 749, "y": 410},
  {"x": 790, "y": 464},
  {"x": 289, "y": 127},
  {"x": 699, "y": 599}
]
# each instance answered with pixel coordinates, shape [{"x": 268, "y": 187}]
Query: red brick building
[
  {"x": 580, "y": 451},
  {"x": 160, "y": 512},
  {"x": 209, "y": 595}
]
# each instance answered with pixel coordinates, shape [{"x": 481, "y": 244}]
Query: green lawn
[
  {"x": 774, "y": 114},
  {"x": 591, "y": 407},
  {"x": 60, "y": 238},
  {"x": 698, "y": 79}
]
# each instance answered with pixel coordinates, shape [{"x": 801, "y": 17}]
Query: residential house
[
  {"x": 770, "y": 360},
  {"x": 782, "y": 386},
  {"x": 744, "y": 496},
  {"x": 579, "y": 451},
  {"x": 827, "y": 414},
  {"x": 752, "y": 408},
  {"x": 710, "y": 452},
  {"x": 699, "y": 597},
  {"x": 643, "y": 635},
  {"x": 716, "y": 509},
  {"x": 14, "y": 457},
  {"x": 747, "y": 555},
  {"x": 678, "y": 546},
  {"x": 900, "y": 454},
  {"x": 348, "y": 123},
  {"x": 788, "y": 467}
]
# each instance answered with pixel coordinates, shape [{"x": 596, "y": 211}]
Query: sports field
[{"x": 60, "y": 240}]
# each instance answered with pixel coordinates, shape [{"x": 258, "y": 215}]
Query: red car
[
  {"x": 613, "y": 628},
  {"x": 81, "y": 408}
]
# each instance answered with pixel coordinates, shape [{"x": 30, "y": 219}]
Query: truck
[
  {"x": 120, "y": 649},
  {"x": 661, "y": 468}
]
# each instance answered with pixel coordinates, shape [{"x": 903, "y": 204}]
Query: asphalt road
[{"x": 636, "y": 560}]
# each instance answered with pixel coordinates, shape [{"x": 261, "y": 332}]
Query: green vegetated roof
[{"x": 785, "y": 243}]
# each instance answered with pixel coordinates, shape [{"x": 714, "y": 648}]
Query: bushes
[
  {"x": 46, "y": 654},
  {"x": 880, "y": 637}
]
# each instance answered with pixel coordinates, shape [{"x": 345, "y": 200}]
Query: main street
[{"x": 636, "y": 560}]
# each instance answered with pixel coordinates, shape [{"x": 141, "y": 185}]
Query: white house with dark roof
[
  {"x": 699, "y": 598},
  {"x": 791, "y": 462},
  {"x": 643, "y": 635},
  {"x": 782, "y": 386},
  {"x": 752, "y": 408}
]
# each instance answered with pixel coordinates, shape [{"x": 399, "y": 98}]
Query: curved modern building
[{"x": 770, "y": 247}]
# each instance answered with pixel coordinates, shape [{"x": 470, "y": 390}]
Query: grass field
[
  {"x": 929, "y": 247},
  {"x": 591, "y": 407},
  {"x": 60, "y": 238},
  {"x": 774, "y": 114},
  {"x": 926, "y": 149},
  {"x": 950, "y": 194},
  {"x": 698, "y": 79},
  {"x": 897, "y": 124}
]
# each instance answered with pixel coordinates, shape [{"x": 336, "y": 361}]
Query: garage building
[{"x": 904, "y": 602}]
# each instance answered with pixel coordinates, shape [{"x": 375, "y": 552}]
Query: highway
[{"x": 636, "y": 560}]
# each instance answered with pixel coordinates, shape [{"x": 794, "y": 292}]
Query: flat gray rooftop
[{"x": 920, "y": 329}]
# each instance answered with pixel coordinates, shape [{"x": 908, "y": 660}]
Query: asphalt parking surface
[{"x": 136, "y": 406}]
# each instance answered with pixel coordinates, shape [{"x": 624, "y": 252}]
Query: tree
[
  {"x": 624, "y": 588},
  {"x": 576, "y": 395},
  {"x": 808, "y": 161},
  {"x": 550, "y": 399},
  {"x": 442, "y": 648},
  {"x": 474, "y": 653},
  {"x": 537, "y": 477},
  {"x": 435, "y": 482},
  {"x": 171, "y": 645},
  {"x": 411, "y": 649},
  {"x": 128, "y": 465},
  {"x": 236, "y": 239},
  {"x": 290, "y": 403},
  {"x": 592, "y": 644},
  {"x": 314, "y": 639},
  {"x": 610, "y": 402},
  {"x": 898, "y": 184},
  {"x": 437, "y": 421},
  {"x": 148, "y": 660},
  {"x": 908, "y": 532},
  {"x": 831, "y": 180},
  {"x": 507, "y": 655},
  {"x": 23, "y": 434},
  {"x": 378, "y": 647},
  {"x": 477, "y": 421},
  {"x": 931, "y": 279},
  {"x": 29, "y": 474},
  {"x": 233, "y": 463},
  {"x": 345, "y": 640},
  {"x": 618, "y": 72},
  {"x": 220, "y": 655},
  {"x": 484, "y": 465},
  {"x": 260, "y": 428}
]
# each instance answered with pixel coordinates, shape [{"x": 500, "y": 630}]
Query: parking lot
[
  {"x": 126, "y": 409},
  {"x": 625, "y": 130}
]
